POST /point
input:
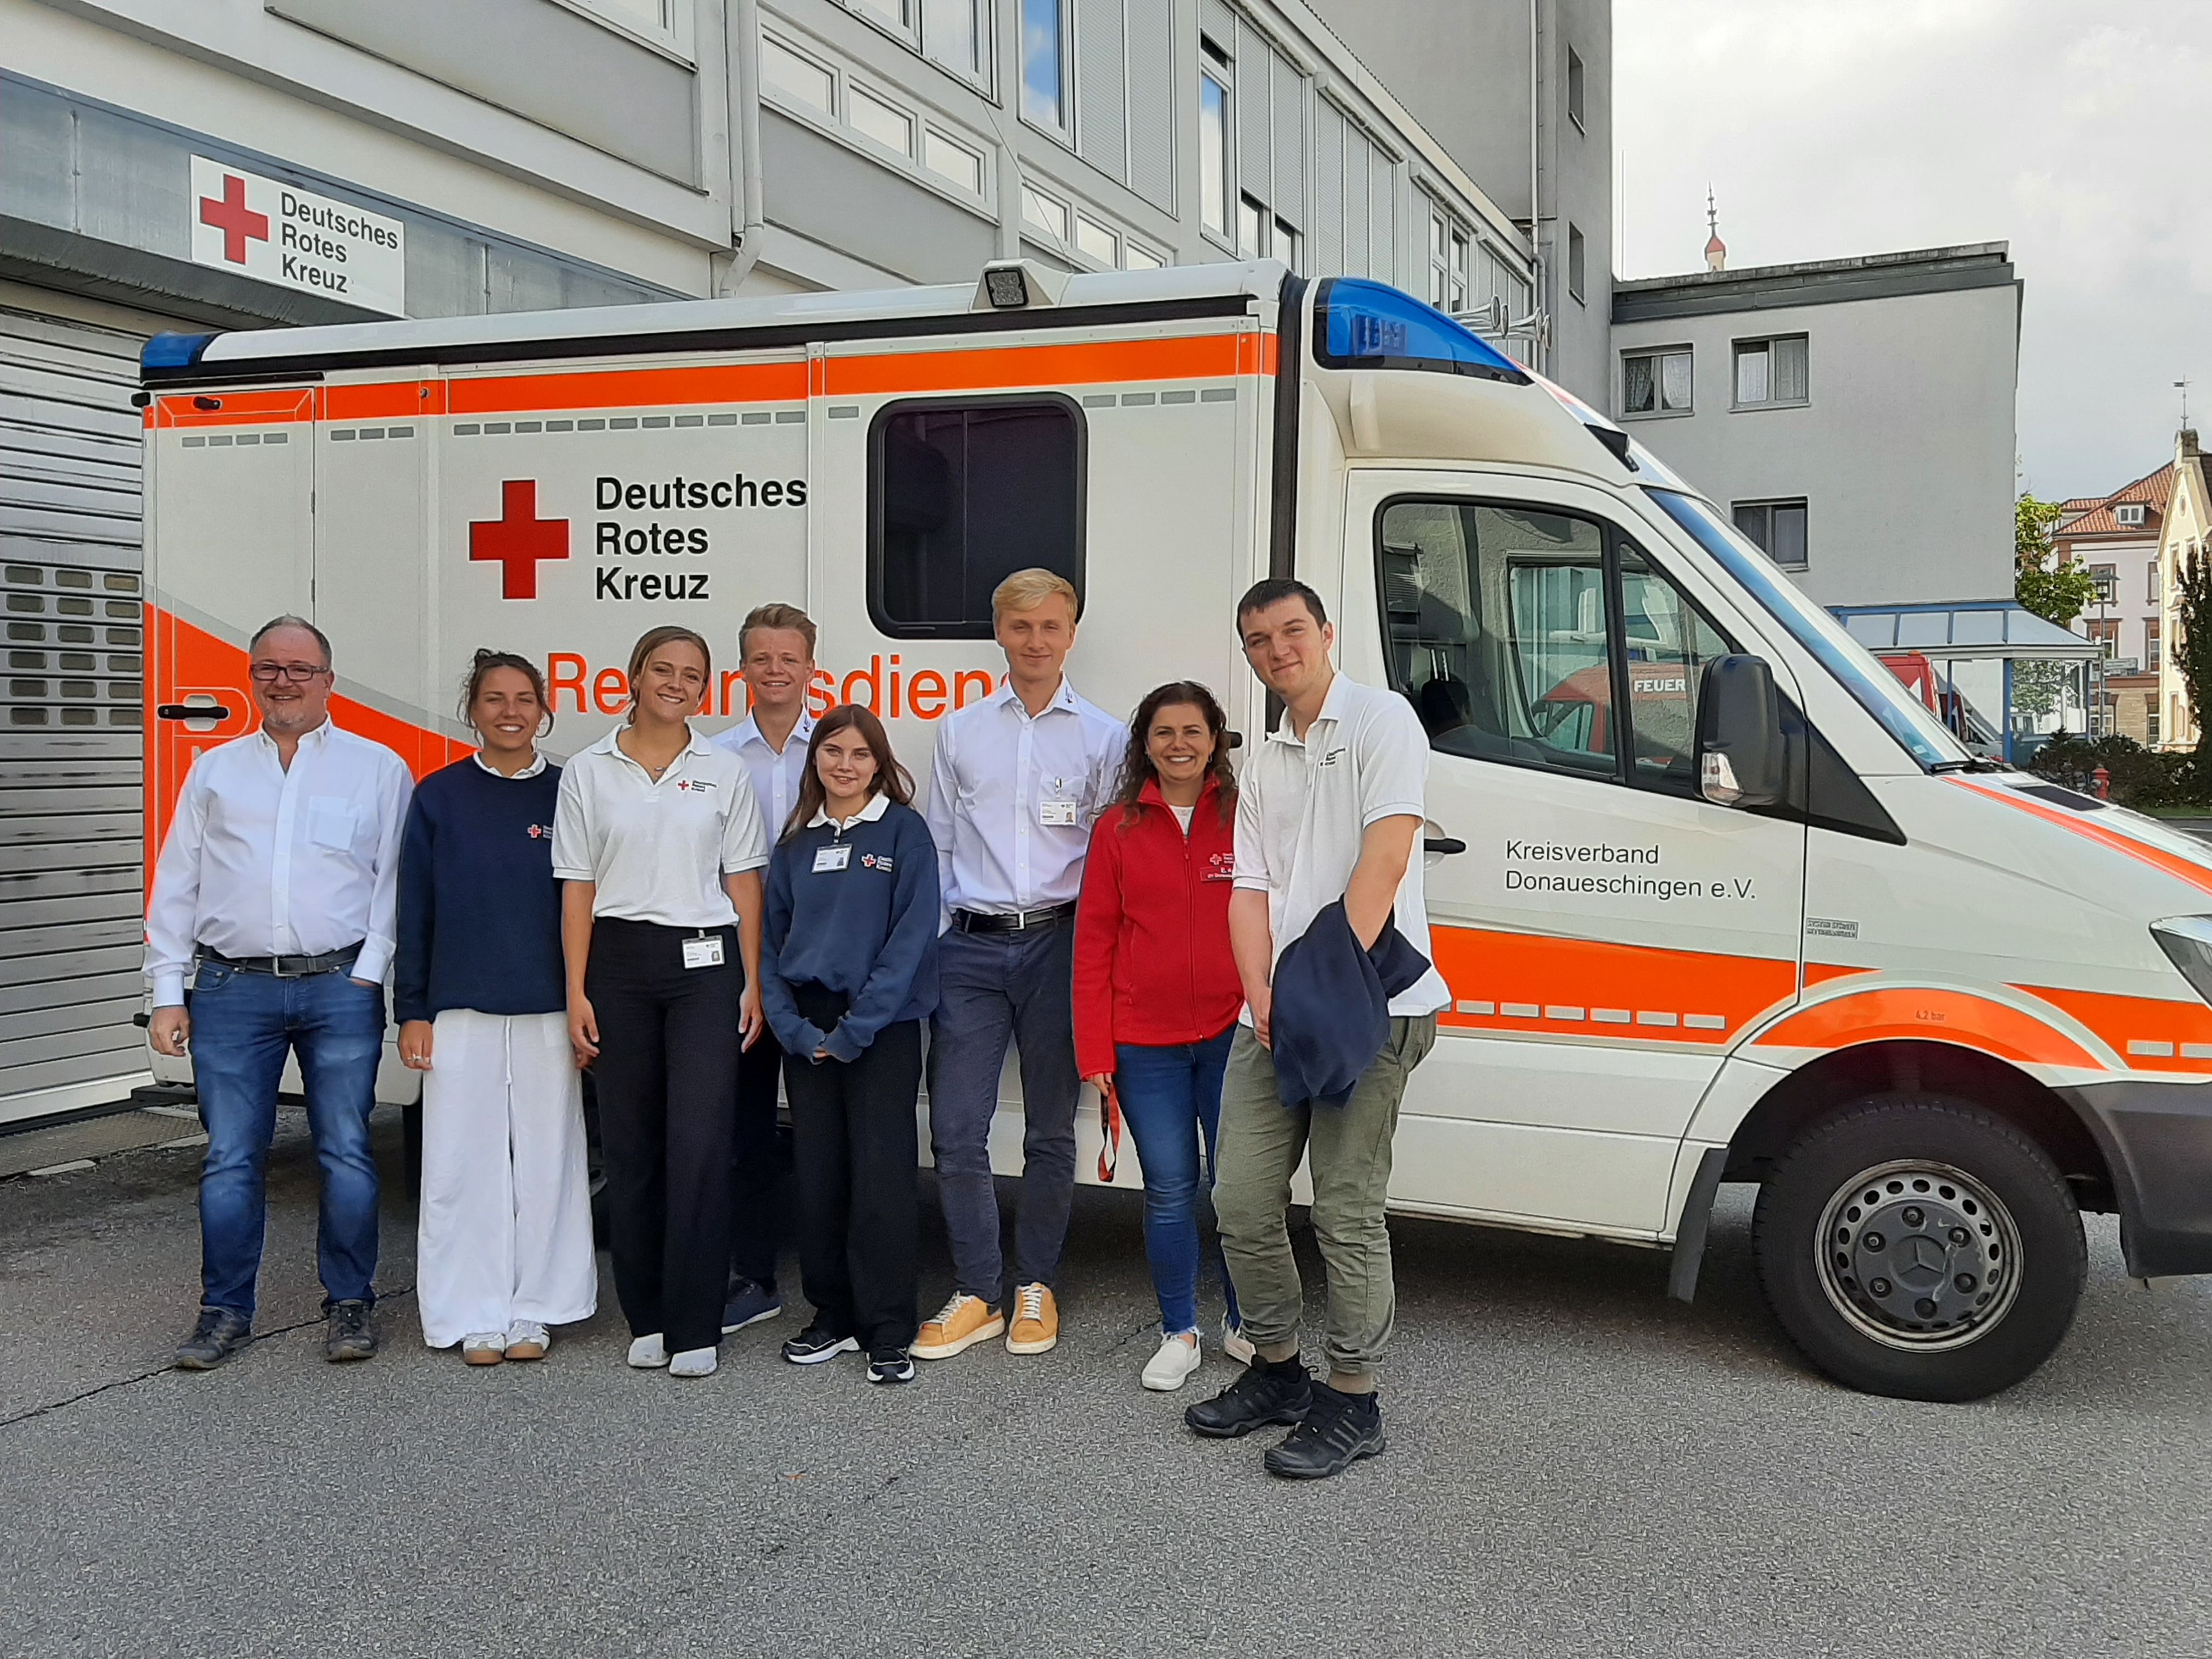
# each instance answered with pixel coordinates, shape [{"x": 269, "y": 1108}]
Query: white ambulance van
[{"x": 1717, "y": 898}]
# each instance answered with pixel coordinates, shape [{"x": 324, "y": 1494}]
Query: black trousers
[
  {"x": 754, "y": 1161},
  {"x": 853, "y": 1141},
  {"x": 666, "y": 1070}
]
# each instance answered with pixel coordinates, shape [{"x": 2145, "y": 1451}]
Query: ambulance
[{"x": 1718, "y": 898}]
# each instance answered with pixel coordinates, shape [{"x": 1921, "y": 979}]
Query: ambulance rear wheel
[{"x": 1920, "y": 1247}]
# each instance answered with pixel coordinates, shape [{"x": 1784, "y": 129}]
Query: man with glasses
[{"x": 278, "y": 882}]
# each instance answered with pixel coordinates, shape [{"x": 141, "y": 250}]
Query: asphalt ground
[{"x": 1576, "y": 1465}]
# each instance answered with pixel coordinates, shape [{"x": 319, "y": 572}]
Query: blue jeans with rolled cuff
[
  {"x": 1171, "y": 1100},
  {"x": 244, "y": 1023}
]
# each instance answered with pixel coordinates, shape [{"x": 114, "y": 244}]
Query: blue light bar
[
  {"x": 171, "y": 352},
  {"x": 1363, "y": 325}
]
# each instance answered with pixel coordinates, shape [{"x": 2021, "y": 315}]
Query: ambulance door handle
[
  {"x": 1444, "y": 844},
  {"x": 191, "y": 711}
]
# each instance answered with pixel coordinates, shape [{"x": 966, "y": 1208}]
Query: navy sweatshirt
[
  {"x": 867, "y": 931},
  {"x": 479, "y": 911}
]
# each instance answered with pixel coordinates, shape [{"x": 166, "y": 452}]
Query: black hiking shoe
[
  {"x": 1265, "y": 1394},
  {"x": 218, "y": 1334},
  {"x": 350, "y": 1335},
  {"x": 889, "y": 1365},
  {"x": 1339, "y": 1430}
]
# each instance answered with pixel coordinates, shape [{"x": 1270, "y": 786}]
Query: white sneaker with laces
[
  {"x": 1168, "y": 1370},
  {"x": 527, "y": 1340},
  {"x": 648, "y": 1353},
  {"x": 694, "y": 1362}
]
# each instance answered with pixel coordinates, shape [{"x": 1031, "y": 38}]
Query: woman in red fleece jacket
[{"x": 1157, "y": 993}]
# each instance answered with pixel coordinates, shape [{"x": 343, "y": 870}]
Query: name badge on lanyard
[
  {"x": 835, "y": 856},
  {"x": 703, "y": 951},
  {"x": 1056, "y": 812}
]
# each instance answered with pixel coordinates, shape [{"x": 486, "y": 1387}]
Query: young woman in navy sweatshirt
[
  {"x": 1157, "y": 993},
  {"x": 848, "y": 972},
  {"x": 503, "y": 1247}
]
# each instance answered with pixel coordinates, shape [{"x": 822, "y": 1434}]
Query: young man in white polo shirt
[{"x": 1331, "y": 808}]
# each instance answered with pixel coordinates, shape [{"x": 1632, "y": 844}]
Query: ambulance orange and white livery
[{"x": 1717, "y": 897}]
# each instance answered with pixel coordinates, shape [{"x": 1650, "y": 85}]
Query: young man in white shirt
[
  {"x": 279, "y": 879},
  {"x": 1331, "y": 808},
  {"x": 775, "y": 649},
  {"x": 1014, "y": 786}
]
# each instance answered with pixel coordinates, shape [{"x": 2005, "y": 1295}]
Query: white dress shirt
[
  {"x": 267, "y": 860},
  {"x": 1012, "y": 797},
  {"x": 658, "y": 851},
  {"x": 1304, "y": 808},
  {"x": 776, "y": 776}
]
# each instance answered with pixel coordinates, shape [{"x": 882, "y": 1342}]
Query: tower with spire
[{"x": 1716, "y": 249}]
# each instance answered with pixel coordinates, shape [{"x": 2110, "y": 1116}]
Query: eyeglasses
[{"x": 298, "y": 672}]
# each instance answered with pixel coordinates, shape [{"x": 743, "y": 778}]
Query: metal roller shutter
[{"x": 72, "y": 872}]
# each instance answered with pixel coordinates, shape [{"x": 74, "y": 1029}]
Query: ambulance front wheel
[{"x": 1920, "y": 1247}]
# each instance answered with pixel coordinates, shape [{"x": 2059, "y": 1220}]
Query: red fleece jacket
[{"x": 1153, "y": 962}]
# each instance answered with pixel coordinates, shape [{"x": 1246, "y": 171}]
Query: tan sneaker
[
  {"x": 1037, "y": 1320},
  {"x": 960, "y": 1324}
]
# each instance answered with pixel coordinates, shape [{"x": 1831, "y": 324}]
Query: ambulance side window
[
  {"x": 1499, "y": 617},
  {"x": 963, "y": 493},
  {"x": 1668, "y": 641}
]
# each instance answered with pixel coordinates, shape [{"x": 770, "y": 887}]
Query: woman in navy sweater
[
  {"x": 848, "y": 972},
  {"x": 504, "y": 1242}
]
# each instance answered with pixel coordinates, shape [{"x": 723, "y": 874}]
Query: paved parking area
[{"x": 1577, "y": 1465}]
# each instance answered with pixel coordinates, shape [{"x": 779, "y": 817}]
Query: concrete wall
[{"x": 1903, "y": 449}]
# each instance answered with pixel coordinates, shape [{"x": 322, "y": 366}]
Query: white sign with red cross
[{"x": 278, "y": 232}]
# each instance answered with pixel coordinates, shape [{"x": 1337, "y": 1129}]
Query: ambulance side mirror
[{"x": 1741, "y": 759}]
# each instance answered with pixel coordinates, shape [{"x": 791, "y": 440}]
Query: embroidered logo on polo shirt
[
  {"x": 1220, "y": 867},
  {"x": 538, "y": 831},
  {"x": 1332, "y": 757},
  {"x": 877, "y": 861},
  {"x": 697, "y": 785}
]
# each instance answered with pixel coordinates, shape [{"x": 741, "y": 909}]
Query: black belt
[
  {"x": 1013, "y": 921},
  {"x": 330, "y": 962}
]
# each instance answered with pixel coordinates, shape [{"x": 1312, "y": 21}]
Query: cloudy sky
[{"x": 2075, "y": 130}]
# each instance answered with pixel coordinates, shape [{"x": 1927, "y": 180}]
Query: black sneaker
[
  {"x": 218, "y": 1334},
  {"x": 351, "y": 1336},
  {"x": 816, "y": 1343},
  {"x": 889, "y": 1365},
  {"x": 1337, "y": 1432},
  {"x": 1265, "y": 1394},
  {"x": 749, "y": 1302}
]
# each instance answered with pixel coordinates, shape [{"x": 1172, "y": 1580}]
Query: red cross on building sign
[
  {"x": 518, "y": 540},
  {"x": 274, "y": 231}
]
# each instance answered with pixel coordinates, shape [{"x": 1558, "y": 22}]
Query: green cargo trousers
[{"x": 1260, "y": 1143}]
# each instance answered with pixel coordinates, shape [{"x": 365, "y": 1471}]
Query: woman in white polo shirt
[{"x": 661, "y": 842}]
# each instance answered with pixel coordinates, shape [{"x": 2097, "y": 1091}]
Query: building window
[
  {"x": 2105, "y": 635},
  {"x": 1140, "y": 259},
  {"x": 2150, "y": 645},
  {"x": 961, "y": 496},
  {"x": 1044, "y": 63},
  {"x": 2151, "y": 570},
  {"x": 2150, "y": 722},
  {"x": 1577, "y": 260},
  {"x": 663, "y": 23},
  {"x": 1044, "y": 212},
  {"x": 798, "y": 78},
  {"x": 1777, "y": 528},
  {"x": 1575, "y": 88},
  {"x": 953, "y": 34},
  {"x": 1657, "y": 382},
  {"x": 2128, "y": 512},
  {"x": 1449, "y": 245},
  {"x": 2107, "y": 578},
  {"x": 951, "y": 160},
  {"x": 1094, "y": 241},
  {"x": 1213, "y": 139},
  {"x": 893, "y": 128},
  {"x": 1770, "y": 372}
]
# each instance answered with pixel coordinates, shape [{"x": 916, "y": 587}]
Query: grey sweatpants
[{"x": 1261, "y": 1141}]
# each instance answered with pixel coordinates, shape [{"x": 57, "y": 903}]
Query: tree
[
  {"x": 2192, "y": 642},
  {"x": 2056, "y": 593}
]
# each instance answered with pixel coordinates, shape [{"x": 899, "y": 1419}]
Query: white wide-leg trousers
[{"x": 505, "y": 1228}]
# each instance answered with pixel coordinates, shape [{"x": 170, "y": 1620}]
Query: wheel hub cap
[{"x": 1918, "y": 1256}]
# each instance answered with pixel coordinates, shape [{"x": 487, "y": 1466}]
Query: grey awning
[{"x": 1964, "y": 630}]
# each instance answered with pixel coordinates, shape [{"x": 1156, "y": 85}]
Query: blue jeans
[
  {"x": 1171, "y": 1100},
  {"x": 242, "y": 1024}
]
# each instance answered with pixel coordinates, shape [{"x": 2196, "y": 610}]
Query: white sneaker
[
  {"x": 1168, "y": 1370},
  {"x": 1234, "y": 1344},
  {"x": 694, "y": 1362},
  {"x": 527, "y": 1340},
  {"x": 648, "y": 1353}
]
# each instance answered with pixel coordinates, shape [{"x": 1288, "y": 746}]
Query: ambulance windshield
[
  {"x": 1878, "y": 690},
  {"x": 1362, "y": 325}
]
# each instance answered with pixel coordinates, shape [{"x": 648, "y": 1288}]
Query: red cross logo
[
  {"x": 518, "y": 539},
  {"x": 229, "y": 214}
]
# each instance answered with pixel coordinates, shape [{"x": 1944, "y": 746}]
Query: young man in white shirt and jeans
[
  {"x": 1331, "y": 807},
  {"x": 1014, "y": 786},
  {"x": 280, "y": 880}
]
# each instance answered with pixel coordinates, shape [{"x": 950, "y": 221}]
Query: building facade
[
  {"x": 2184, "y": 541},
  {"x": 188, "y": 164},
  {"x": 2116, "y": 537}
]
